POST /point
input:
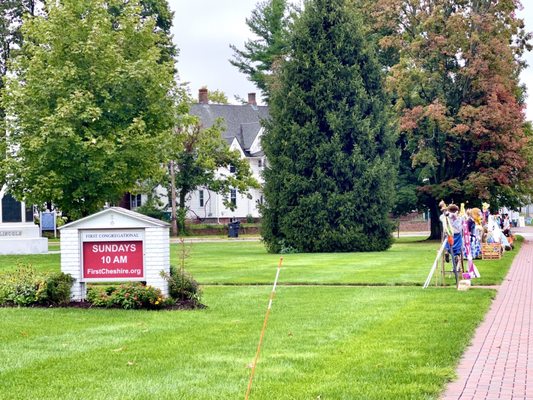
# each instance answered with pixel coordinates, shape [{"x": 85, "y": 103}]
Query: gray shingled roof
[{"x": 242, "y": 121}]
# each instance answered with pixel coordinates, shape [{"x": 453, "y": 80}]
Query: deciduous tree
[
  {"x": 11, "y": 14},
  {"x": 217, "y": 97},
  {"x": 160, "y": 10},
  {"x": 457, "y": 94},
  {"x": 87, "y": 104},
  {"x": 199, "y": 156}
]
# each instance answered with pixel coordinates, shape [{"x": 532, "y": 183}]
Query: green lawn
[
  {"x": 328, "y": 342},
  {"x": 406, "y": 263},
  {"x": 42, "y": 262},
  {"x": 332, "y": 342}
]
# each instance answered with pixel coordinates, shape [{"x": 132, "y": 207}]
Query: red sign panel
[{"x": 105, "y": 260}]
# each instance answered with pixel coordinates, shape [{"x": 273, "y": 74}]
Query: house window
[
  {"x": 260, "y": 163},
  {"x": 201, "y": 197},
  {"x": 232, "y": 168},
  {"x": 135, "y": 200},
  {"x": 233, "y": 197}
]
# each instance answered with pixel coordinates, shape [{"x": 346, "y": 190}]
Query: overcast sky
[{"x": 204, "y": 29}]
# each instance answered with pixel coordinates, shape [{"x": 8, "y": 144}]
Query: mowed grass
[
  {"x": 321, "y": 342},
  {"x": 41, "y": 262},
  {"x": 407, "y": 263},
  {"x": 396, "y": 341}
]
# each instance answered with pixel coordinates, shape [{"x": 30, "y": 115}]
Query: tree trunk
[
  {"x": 435, "y": 224},
  {"x": 173, "y": 200},
  {"x": 182, "y": 211}
]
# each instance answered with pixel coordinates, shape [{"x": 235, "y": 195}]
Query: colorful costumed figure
[
  {"x": 496, "y": 234},
  {"x": 452, "y": 240},
  {"x": 454, "y": 232},
  {"x": 486, "y": 213},
  {"x": 476, "y": 230},
  {"x": 472, "y": 270},
  {"x": 455, "y": 222}
]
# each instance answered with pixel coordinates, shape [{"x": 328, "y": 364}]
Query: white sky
[{"x": 204, "y": 29}]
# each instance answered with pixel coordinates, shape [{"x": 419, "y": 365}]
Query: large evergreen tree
[{"x": 329, "y": 143}]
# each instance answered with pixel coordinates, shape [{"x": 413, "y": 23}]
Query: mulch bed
[{"x": 179, "y": 305}]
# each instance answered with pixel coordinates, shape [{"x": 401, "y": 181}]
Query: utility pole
[{"x": 173, "y": 219}]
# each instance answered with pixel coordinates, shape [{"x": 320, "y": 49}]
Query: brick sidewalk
[{"x": 498, "y": 364}]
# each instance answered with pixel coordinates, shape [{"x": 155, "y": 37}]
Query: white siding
[
  {"x": 156, "y": 250},
  {"x": 71, "y": 261},
  {"x": 213, "y": 203},
  {"x": 156, "y": 257}
]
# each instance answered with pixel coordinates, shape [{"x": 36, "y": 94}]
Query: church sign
[
  {"x": 108, "y": 255},
  {"x": 115, "y": 245}
]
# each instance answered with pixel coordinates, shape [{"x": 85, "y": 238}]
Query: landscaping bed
[{"x": 179, "y": 305}]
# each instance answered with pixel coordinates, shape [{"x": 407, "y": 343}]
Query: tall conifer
[{"x": 329, "y": 143}]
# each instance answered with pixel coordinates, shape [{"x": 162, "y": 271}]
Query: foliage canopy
[
  {"x": 88, "y": 101},
  {"x": 200, "y": 157},
  {"x": 456, "y": 90}
]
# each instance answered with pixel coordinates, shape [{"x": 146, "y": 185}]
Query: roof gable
[
  {"x": 256, "y": 148},
  {"x": 115, "y": 217},
  {"x": 242, "y": 122}
]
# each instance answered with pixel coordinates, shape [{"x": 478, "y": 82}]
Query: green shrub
[
  {"x": 98, "y": 296},
  {"x": 286, "y": 249},
  {"x": 181, "y": 285},
  {"x": 25, "y": 287},
  {"x": 153, "y": 208},
  {"x": 58, "y": 287},
  {"x": 21, "y": 287},
  {"x": 131, "y": 295}
]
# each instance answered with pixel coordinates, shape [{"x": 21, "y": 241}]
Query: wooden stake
[{"x": 272, "y": 294}]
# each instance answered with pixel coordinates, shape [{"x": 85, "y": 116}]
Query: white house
[{"x": 243, "y": 133}]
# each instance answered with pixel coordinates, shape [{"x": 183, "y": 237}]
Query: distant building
[{"x": 243, "y": 133}]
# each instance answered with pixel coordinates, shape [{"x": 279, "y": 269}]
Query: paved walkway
[{"x": 499, "y": 363}]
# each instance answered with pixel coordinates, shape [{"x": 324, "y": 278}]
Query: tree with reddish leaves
[{"x": 455, "y": 84}]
